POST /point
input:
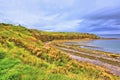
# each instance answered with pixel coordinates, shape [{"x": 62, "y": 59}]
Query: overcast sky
[{"x": 96, "y": 16}]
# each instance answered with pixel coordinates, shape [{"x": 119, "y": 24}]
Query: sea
[{"x": 108, "y": 45}]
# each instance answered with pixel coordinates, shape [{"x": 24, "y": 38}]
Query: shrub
[{"x": 2, "y": 54}]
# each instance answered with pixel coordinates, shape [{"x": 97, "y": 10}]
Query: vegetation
[
  {"x": 105, "y": 57},
  {"x": 24, "y": 56},
  {"x": 49, "y": 36}
]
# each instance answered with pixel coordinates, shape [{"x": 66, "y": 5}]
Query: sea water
[{"x": 110, "y": 45}]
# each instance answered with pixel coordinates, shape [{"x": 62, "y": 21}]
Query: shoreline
[
  {"x": 87, "y": 39},
  {"x": 92, "y": 47},
  {"x": 105, "y": 60},
  {"x": 80, "y": 40}
]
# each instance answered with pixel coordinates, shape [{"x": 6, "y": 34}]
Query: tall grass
[{"x": 23, "y": 56}]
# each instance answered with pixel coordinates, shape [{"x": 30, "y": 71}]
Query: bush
[
  {"x": 2, "y": 54},
  {"x": 10, "y": 45}
]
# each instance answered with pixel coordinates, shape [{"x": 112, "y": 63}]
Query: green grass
[{"x": 23, "y": 56}]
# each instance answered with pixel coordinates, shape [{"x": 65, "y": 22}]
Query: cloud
[
  {"x": 108, "y": 13},
  {"x": 106, "y": 20},
  {"x": 62, "y": 15},
  {"x": 36, "y": 12},
  {"x": 65, "y": 26}
]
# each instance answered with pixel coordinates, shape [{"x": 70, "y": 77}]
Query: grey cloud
[
  {"x": 110, "y": 13},
  {"x": 106, "y": 28},
  {"x": 103, "y": 20}
]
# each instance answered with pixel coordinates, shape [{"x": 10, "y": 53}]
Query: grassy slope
[{"x": 23, "y": 56}]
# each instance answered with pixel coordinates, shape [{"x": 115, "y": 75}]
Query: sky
[{"x": 92, "y": 16}]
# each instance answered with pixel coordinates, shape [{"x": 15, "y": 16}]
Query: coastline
[
  {"x": 106, "y": 60},
  {"x": 90, "y": 46},
  {"x": 87, "y": 39},
  {"x": 31, "y": 52}
]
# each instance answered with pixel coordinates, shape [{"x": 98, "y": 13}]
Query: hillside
[{"x": 25, "y": 55}]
